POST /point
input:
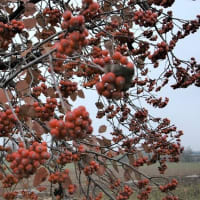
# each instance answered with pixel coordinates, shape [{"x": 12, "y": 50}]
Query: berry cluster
[
  {"x": 115, "y": 184},
  {"x": 24, "y": 162},
  {"x": 39, "y": 89},
  {"x": 59, "y": 177},
  {"x": 71, "y": 188},
  {"x": 140, "y": 162},
  {"x": 77, "y": 125},
  {"x": 90, "y": 169},
  {"x": 91, "y": 9},
  {"x": 160, "y": 53},
  {"x": 53, "y": 15},
  {"x": 125, "y": 193},
  {"x": 142, "y": 183},
  {"x": 10, "y": 195},
  {"x": 163, "y": 3},
  {"x": 144, "y": 194},
  {"x": 67, "y": 157},
  {"x": 9, "y": 180},
  {"x": 47, "y": 111},
  {"x": 170, "y": 198},
  {"x": 145, "y": 18},
  {"x": 29, "y": 195},
  {"x": 67, "y": 88},
  {"x": 8, "y": 31},
  {"x": 7, "y": 122},
  {"x": 111, "y": 86},
  {"x": 76, "y": 38},
  {"x": 169, "y": 186}
]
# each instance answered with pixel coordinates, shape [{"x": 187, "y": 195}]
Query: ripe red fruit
[
  {"x": 67, "y": 15},
  {"x": 108, "y": 77},
  {"x": 117, "y": 55},
  {"x": 120, "y": 82},
  {"x": 100, "y": 87},
  {"x": 123, "y": 60}
]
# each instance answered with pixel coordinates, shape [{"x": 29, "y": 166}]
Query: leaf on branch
[
  {"x": 27, "y": 111},
  {"x": 39, "y": 130},
  {"x": 99, "y": 105},
  {"x": 22, "y": 87},
  {"x": 3, "y": 98},
  {"x": 30, "y": 9},
  {"x": 127, "y": 173},
  {"x": 67, "y": 182},
  {"x": 73, "y": 96},
  {"x": 29, "y": 23},
  {"x": 109, "y": 46},
  {"x": 50, "y": 92},
  {"x": 101, "y": 170},
  {"x": 107, "y": 6},
  {"x": 40, "y": 176},
  {"x": 24, "y": 53},
  {"x": 114, "y": 164},
  {"x": 40, "y": 20},
  {"x": 102, "y": 129},
  {"x": 106, "y": 142},
  {"x": 81, "y": 94}
]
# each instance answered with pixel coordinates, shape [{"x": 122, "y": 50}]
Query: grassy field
[{"x": 188, "y": 187}]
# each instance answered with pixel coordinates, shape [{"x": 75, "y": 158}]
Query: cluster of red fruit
[
  {"x": 98, "y": 197},
  {"x": 160, "y": 53},
  {"x": 142, "y": 183},
  {"x": 91, "y": 9},
  {"x": 111, "y": 86},
  {"x": 140, "y": 162},
  {"x": 76, "y": 38},
  {"x": 10, "y": 195},
  {"x": 90, "y": 169},
  {"x": 47, "y": 111},
  {"x": 7, "y": 122},
  {"x": 141, "y": 115},
  {"x": 157, "y": 102},
  {"x": 67, "y": 87},
  {"x": 59, "y": 177},
  {"x": 39, "y": 89},
  {"x": 53, "y": 15},
  {"x": 71, "y": 188},
  {"x": 125, "y": 193},
  {"x": 8, "y": 31},
  {"x": 9, "y": 180},
  {"x": 170, "y": 198},
  {"x": 67, "y": 157},
  {"x": 164, "y": 3},
  {"x": 24, "y": 162},
  {"x": 144, "y": 194},
  {"x": 145, "y": 18},
  {"x": 115, "y": 184},
  {"x": 169, "y": 186},
  {"x": 77, "y": 125}
]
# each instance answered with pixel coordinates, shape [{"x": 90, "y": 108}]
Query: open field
[{"x": 188, "y": 187}]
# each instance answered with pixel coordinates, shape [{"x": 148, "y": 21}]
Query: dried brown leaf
[
  {"x": 29, "y": 23},
  {"x": 101, "y": 170},
  {"x": 102, "y": 129},
  {"x": 40, "y": 176},
  {"x": 99, "y": 105},
  {"x": 81, "y": 94}
]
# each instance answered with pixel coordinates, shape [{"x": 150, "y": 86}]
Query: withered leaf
[
  {"x": 102, "y": 129},
  {"x": 40, "y": 176},
  {"x": 81, "y": 94}
]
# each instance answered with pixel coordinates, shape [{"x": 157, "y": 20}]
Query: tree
[{"x": 54, "y": 52}]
